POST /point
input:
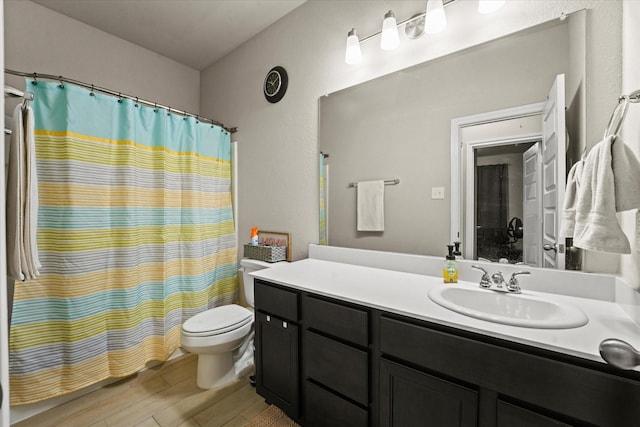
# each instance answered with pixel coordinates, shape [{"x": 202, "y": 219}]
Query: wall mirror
[{"x": 399, "y": 127}]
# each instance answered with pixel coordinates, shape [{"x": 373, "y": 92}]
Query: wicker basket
[{"x": 266, "y": 253}]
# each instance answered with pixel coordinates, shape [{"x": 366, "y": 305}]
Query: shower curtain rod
[{"x": 63, "y": 79}]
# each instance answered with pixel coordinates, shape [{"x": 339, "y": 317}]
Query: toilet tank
[{"x": 247, "y": 266}]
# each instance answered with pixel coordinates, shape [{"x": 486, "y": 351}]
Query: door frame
[{"x": 459, "y": 163}]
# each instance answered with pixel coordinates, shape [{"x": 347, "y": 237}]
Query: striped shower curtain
[
  {"x": 135, "y": 235},
  {"x": 323, "y": 202}
]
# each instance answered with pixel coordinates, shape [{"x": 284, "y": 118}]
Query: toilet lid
[{"x": 218, "y": 320}]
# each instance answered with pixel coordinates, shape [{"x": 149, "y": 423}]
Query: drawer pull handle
[
  {"x": 619, "y": 354},
  {"x": 268, "y": 318},
  {"x": 284, "y": 325}
]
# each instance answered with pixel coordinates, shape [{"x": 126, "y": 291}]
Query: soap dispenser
[
  {"x": 456, "y": 251},
  {"x": 450, "y": 269}
]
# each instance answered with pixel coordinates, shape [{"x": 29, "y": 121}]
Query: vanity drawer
[
  {"x": 508, "y": 415},
  {"x": 324, "y": 408},
  {"x": 337, "y": 366},
  {"x": 343, "y": 322},
  {"x": 275, "y": 300}
]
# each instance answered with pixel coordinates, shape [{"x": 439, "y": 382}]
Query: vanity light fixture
[
  {"x": 435, "y": 19},
  {"x": 489, "y": 6},
  {"x": 353, "y": 54},
  {"x": 390, "y": 39},
  {"x": 432, "y": 20}
]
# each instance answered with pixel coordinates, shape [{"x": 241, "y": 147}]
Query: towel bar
[{"x": 386, "y": 182}]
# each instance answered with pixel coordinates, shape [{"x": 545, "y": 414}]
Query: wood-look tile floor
[{"x": 165, "y": 395}]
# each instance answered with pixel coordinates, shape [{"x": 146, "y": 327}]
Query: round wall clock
[{"x": 275, "y": 84}]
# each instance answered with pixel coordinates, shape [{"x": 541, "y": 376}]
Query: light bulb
[
  {"x": 353, "y": 54},
  {"x": 390, "y": 39},
  {"x": 489, "y": 6},
  {"x": 435, "y": 20}
]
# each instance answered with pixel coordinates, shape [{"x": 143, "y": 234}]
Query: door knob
[
  {"x": 548, "y": 247},
  {"x": 619, "y": 354}
]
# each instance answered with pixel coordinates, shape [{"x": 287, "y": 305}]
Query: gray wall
[
  {"x": 399, "y": 126},
  {"x": 38, "y": 39}
]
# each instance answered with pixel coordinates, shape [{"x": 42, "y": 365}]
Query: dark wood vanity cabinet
[
  {"x": 277, "y": 348},
  {"x": 516, "y": 385},
  {"x": 341, "y": 364}
]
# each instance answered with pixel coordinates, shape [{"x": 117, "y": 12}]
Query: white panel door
[
  {"x": 532, "y": 208},
  {"x": 553, "y": 174}
]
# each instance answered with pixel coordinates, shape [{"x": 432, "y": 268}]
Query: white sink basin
[{"x": 524, "y": 310}]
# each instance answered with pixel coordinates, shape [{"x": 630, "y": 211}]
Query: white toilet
[{"x": 215, "y": 334}]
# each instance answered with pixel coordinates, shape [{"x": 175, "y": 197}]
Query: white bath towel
[
  {"x": 15, "y": 198},
  {"x": 626, "y": 176},
  {"x": 31, "y": 200},
  {"x": 370, "y": 206},
  {"x": 610, "y": 183},
  {"x": 22, "y": 199}
]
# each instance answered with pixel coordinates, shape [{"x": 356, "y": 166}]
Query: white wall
[
  {"x": 278, "y": 146},
  {"x": 40, "y": 40},
  {"x": 631, "y": 129}
]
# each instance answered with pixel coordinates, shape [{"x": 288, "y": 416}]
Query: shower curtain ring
[
  {"x": 35, "y": 79},
  {"x": 91, "y": 92},
  {"x": 168, "y": 111},
  {"x": 61, "y": 85},
  {"x": 119, "y": 98},
  {"x": 136, "y": 104},
  {"x": 155, "y": 107}
]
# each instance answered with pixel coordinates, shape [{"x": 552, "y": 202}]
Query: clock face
[{"x": 275, "y": 84}]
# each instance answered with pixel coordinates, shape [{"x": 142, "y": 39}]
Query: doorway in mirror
[{"x": 511, "y": 213}]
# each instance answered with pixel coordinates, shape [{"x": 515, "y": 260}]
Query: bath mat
[{"x": 272, "y": 417}]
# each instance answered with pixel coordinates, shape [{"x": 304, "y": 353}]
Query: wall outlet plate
[{"x": 437, "y": 193}]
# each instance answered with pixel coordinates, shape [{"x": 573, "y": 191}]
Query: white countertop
[{"x": 406, "y": 294}]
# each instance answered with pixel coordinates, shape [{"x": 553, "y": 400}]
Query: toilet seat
[{"x": 217, "y": 321}]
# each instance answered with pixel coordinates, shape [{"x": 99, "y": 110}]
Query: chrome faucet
[
  {"x": 513, "y": 285},
  {"x": 496, "y": 281},
  {"x": 485, "y": 282}
]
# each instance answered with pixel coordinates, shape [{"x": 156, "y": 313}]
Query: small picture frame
[{"x": 275, "y": 238}]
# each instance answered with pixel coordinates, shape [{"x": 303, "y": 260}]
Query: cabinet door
[
  {"x": 413, "y": 398},
  {"x": 277, "y": 365}
]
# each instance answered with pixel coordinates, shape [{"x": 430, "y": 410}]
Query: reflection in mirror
[
  {"x": 399, "y": 127},
  {"x": 509, "y": 229},
  {"x": 499, "y": 202},
  {"x": 541, "y": 129}
]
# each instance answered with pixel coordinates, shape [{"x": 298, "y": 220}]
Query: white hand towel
[
  {"x": 571, "y": 199},
  {"x": 370, "y": 205},
  {"x": 596, "y": 225}
]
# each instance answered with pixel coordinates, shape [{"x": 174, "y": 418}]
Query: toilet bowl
[{"x": 215, "y": 334}]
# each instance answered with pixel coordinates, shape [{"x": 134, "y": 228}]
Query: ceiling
[{"x": 195, "y": 33}]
